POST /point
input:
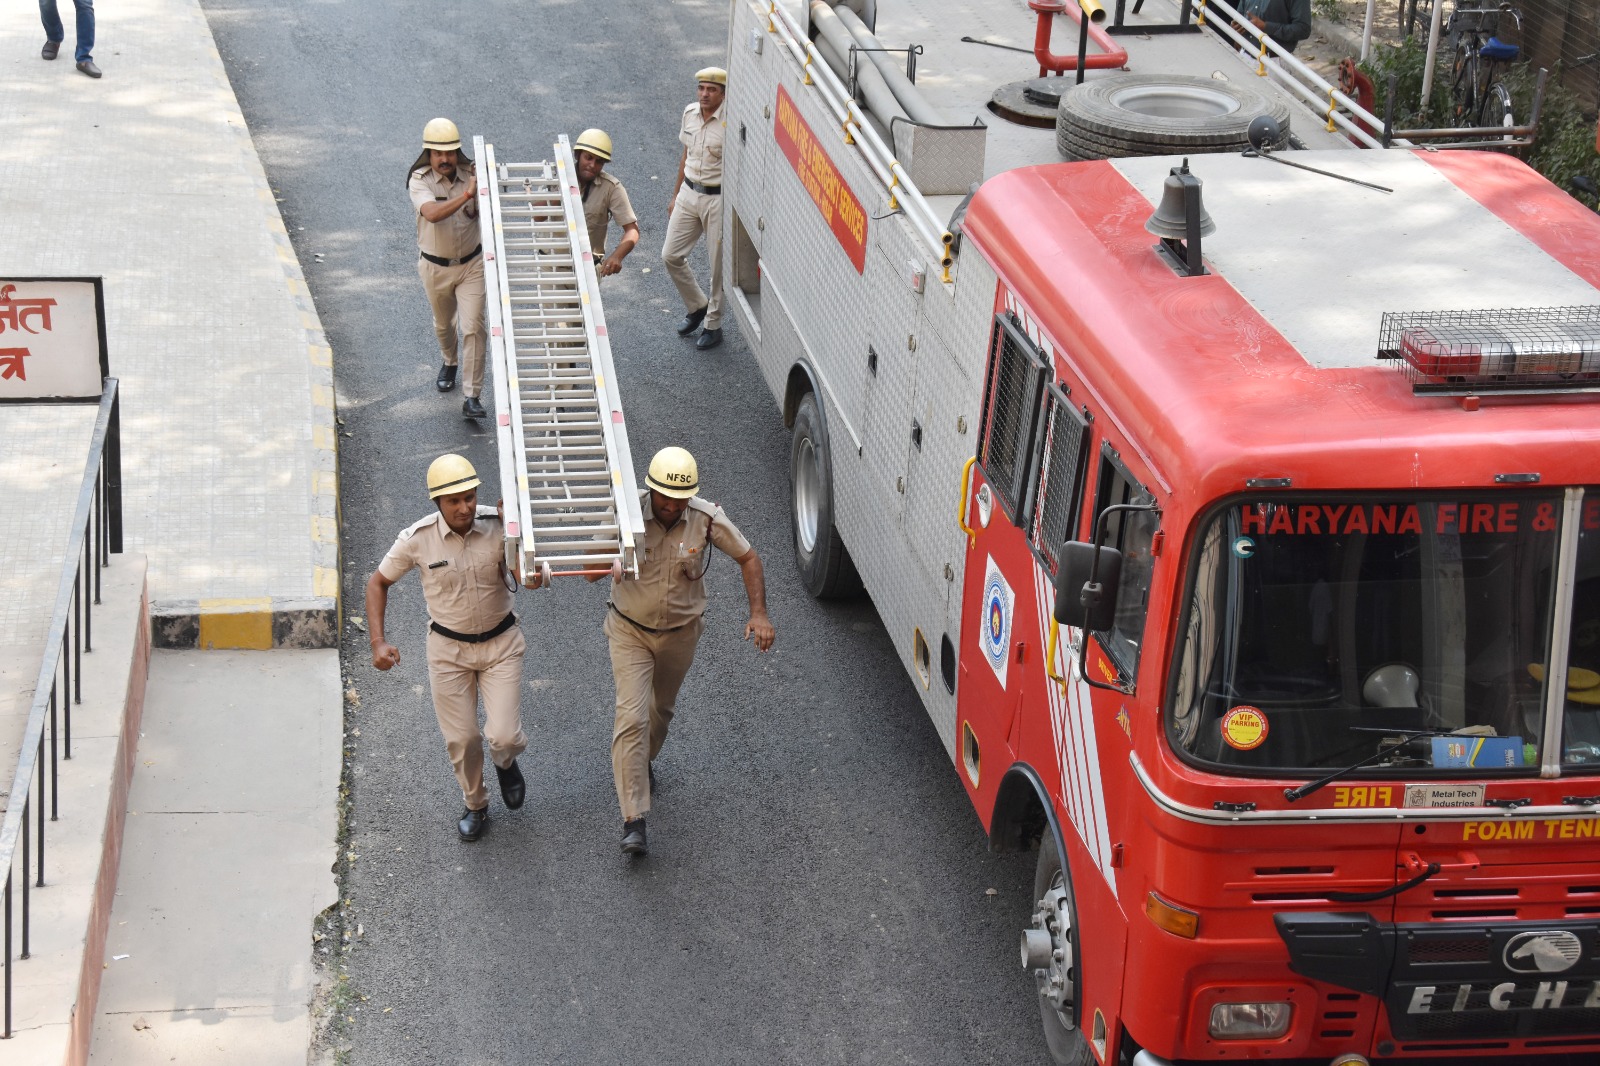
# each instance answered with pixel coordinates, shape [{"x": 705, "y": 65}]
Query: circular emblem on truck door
[{"x": 1545, "y": 951}]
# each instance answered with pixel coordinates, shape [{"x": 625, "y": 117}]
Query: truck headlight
[{"x": 1250, "y": 1021}]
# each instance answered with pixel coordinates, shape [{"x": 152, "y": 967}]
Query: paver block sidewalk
[{"x": 148, "y": 178}]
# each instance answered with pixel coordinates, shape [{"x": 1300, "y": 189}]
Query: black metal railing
[{"x": 95, "y": 534}]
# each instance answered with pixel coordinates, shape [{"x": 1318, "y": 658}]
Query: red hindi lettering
[
  {"x": 14, "y": 313},
  {"x": 11, "y": 363}
]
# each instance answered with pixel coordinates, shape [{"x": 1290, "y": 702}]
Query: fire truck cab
[{"x": 1239, "y": 523}]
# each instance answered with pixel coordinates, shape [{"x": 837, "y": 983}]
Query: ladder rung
[{"x": 581, "y": 551}]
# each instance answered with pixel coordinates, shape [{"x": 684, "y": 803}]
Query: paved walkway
[
  {"x": 148, "y": 178},
  {"x": 226, "y": 861}
]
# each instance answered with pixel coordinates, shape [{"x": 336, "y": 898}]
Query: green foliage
[
  {"x": 1327, "y": 10},
  {"x": 1565, "y": 145},
  {"x": 1405, "y": 62}
]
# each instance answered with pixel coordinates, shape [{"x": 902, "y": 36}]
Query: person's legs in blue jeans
[
  {"x": 85, "y": 29},
  {"x": 54, "y": 31}
]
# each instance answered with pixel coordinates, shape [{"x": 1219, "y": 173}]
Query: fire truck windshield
[{"x": 1320, "y": 631}]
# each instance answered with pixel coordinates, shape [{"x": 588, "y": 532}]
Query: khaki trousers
[
  {"x": 694, "y": 214},
  {"x": 649, "y": 668},
  {"x": 456, "y": 294},
  {"x": 458, "y": 672}
]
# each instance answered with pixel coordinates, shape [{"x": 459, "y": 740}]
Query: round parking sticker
[{"x": 1244, "y": 727}]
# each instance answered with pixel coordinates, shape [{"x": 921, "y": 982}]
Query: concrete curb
[
  {"x": 271, "y": 622},
  {"x": 253, "y": 624}
]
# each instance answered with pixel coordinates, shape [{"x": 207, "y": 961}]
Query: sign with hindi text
[
  {"x": 821, "y": 179},
  {"x": 52, "y": 339}
]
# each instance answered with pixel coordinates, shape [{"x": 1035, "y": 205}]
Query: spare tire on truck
[{"x": 1159, "y": 114}]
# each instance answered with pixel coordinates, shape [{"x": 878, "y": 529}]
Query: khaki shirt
[
  {"x": 461, "y": 579},
  {"x": 457, "y": 235},
  {"x": 670, "y": 590},
  {"x": 703, "y": 164},
  {"x": 605, "y": 197}
]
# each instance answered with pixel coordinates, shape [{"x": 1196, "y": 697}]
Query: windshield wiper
[{"x": 1406, "y": 737}]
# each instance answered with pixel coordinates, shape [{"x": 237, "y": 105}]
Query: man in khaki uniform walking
[
  {"x": 474, "y": 642},
  {"x": 697, "y": 208},
  {"x": 655, "y": 620},
  {"x": 604, "y": 201},
  {"x": 444, "y": 192}
]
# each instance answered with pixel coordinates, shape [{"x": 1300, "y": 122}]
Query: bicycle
[{"x": 1479, "y": 99}]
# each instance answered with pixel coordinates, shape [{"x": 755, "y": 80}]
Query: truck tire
[
  {"x": 1160, "y": 114},
  {"x": 1052, "y": 893},
  {"x": 819, "y": 552}
]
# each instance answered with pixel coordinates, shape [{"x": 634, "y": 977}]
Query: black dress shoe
[
  {"x": 512, "y": 788},
  {"x": 472, "y": 823},
  {"x": 87, "y": 67},
  {"x": 447, "y": 377},
  {"x": 471, "y": 408},
  {"x": 691, "y": 321},
  {"x": 51, "y": 49},
  {"x": 709, "y": 339},
  {"x": 633, "y": 842}
]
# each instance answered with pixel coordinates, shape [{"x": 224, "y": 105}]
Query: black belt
[
  {"x": 641, "y": 625},
  {"x": 709, "y": 190},
  {"x": 475, "y": 638},
  {"x": 442, "y": 261}
]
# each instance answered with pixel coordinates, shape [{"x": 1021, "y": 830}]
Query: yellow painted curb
[{"x": 244, "y": 623}]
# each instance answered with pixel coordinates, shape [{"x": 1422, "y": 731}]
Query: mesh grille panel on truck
[
  {"x": 1011, "y": 411},
  {"x": 1061, "y": 479}
]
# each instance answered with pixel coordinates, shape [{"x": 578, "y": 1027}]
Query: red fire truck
[{"x": 1240, "y": 525}]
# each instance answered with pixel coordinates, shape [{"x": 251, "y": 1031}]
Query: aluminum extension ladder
[{"x": 562, "y": 441}]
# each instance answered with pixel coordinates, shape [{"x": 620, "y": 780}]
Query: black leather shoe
[
  {"x": 471, "y": 408},
  {"x": 51, "y": 49},
  {"x": 633, "y": 842},
  {"x": 87, "y": 67},
  {"x": 512, "y": 788},
  {"x": 447, "y": 377},
  {"x": 709, "y": 339},
  {"x": 472, "y": 823},
  {"x": 691, "y": 321}
]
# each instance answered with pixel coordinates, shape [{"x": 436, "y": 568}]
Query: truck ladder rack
[{"x": 566, "y": 473}]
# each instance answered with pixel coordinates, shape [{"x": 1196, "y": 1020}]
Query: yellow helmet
[
  {"x": 440, "y": 134},
  {"x": 596, "y": 143},
  {"x": 714, "y": 75},
  {"x": 450, "y": 474},
  {"x": 673, "y": 473}
]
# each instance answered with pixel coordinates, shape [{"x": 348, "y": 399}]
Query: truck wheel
[
  {"x": 825, "y": 566},
  {"x": 1050, "y": 951},
  {"x": 1160, "y": 114}
]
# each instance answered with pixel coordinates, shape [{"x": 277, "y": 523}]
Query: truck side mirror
[{"x": 1086, "y": 595}]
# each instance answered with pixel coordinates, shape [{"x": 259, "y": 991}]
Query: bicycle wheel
[
  {"x": 1464, "y": 84},
  {"x": 1497, "y": 109}
]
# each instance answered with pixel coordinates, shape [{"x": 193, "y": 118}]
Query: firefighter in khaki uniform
[
  {"x": 655, "y": 620},
  {"x": 474, "y": 642},
  {"x": 444, "y": 191},
  {"x": 604, "y": 201},
  {"x": 697, "y": 208}
]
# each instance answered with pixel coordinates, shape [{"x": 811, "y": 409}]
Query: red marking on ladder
[
  {"x": 600, "y": 331},
  {"x": 496, "y": 331},
  {"x": 505, "y": 419},
  {"x": 616, "y": 416},
  {"x": 511, "y": 529}
]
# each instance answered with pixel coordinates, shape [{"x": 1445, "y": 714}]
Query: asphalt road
[{"x": 817, "y": 888}]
